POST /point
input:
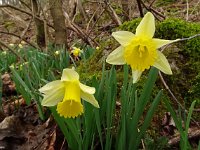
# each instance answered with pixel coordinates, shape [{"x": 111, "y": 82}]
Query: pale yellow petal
[
  {"x": 123, "y": 37},
  {"x": 162, "y": 64},
  {"x": 160, "y": 42},
  {"x": 89, "y": 98},
  {"x": 146, "y": 28},
  {"x": 51, "y": 86},
  {"x": 136, "y": 75},
  {"x": 53, "y": 97},
  {"x": 116, "y": 57},
  {"x": 69, "y": 75},
  {"x": 87, "y": 89}
]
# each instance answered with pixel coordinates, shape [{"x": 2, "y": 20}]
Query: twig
[
  {"x": 151, "y": 4},
  {"x": 25, "y": 12},
  {"x": 25, "y": 30},
  {"x": 168, "y": 89},
  {"x": 140, "y": 8},
  {"x": 13, "y": 34},
  {"x": 96, "y": 21},
  {"x": 153, "y": 10},
  {"x": 195, "y": 133},
  {"x": 25, "y": 4},
  {"x": 11, "y": 50},
  {"x": 187, "y": 14},
  {"x": 180, "y": 40},
  {"x": 112, "y": 13}
]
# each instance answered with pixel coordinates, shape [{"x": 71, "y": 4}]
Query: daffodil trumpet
[
  {"x": 140, "y": 50},
  {"x": 67, "y": 93},
  {"x": 76, "y": 52}
]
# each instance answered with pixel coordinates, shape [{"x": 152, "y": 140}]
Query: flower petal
[
  {"x": 147, "y": 26},
  {"x": 123, "y": 37},
  {"x": 116, "y": 57},
  {"x": 69, "y": 75},
  {"x": 53, "y": 97},
  {"x": 50, "y": 86},
  {"x": 89, "y": 98},
  {"x": 162, "y": 64},
  {"x": 160, "y": 42},
  {"x": 87, "y": 89},
  {"x": 136, "y": 75}
]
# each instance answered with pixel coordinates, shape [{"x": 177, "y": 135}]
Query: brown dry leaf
[{"x": 8, "y": 86}]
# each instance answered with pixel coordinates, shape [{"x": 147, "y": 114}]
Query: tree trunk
[
  {"x": 40, "y": 30},
  {"x": 59, "y": 23}
]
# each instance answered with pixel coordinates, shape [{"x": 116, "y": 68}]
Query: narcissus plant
[
  {"x": 67, "y": 93},
  {"x": 140, "y": 50},
  {"x": 76, "y": 51}
]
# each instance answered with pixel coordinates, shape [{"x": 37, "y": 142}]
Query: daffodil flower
[
  {"x": 97, "y": 48},
  {"x": 11, "y": 44},
  {"x": 20, "y": 46},
  {"x": 57, "y": 52},
  {"x": 139, "y": 50},
  {"x": 67, "y": 93},
  {"x": 76, "y": 51}
]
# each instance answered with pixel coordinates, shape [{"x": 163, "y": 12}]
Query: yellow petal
[
  {"x": 123, "y": 37},
  {"x": 147, "y": 26},
  {"x": 87, "y": 89},
  {"x": 116, "y": 57},
  {"x": 53, "y": 97},
  {"x": 51, "y": 86},
  {"x": 89, "y": 98},
  {"x": 160, "y": 42},
  {"x": 70, "y": 108},
  {"x": 69, "y": 75},
  {"x": 162, "y": 64},
  {"x": 136, "y": 75}
]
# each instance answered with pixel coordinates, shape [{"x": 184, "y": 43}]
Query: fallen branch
[
  {"x": 193, "y": 133},
  {"x": 112, "y": 13}
]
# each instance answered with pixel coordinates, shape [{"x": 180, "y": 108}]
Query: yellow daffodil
[
  {"x": 139, "y": 50},
  {"x": 57, "y": 52},
  {"x": 97, "y": 48},
  {"x": 20, "y": 46},
  {"x": 21, "y": 65},
  {"x": 67, "y": 93},
  {"x": 76, "y": 51},
  {"x": 11, "y": 44},
  {"x": 23, "y": 42}
]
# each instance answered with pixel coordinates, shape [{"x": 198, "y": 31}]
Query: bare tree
[
  {"x": 59, "y": 22},
  {"x": 40, "y": 30}
]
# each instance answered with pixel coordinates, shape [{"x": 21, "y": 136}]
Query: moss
[{"x": 164, "y": 2}]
